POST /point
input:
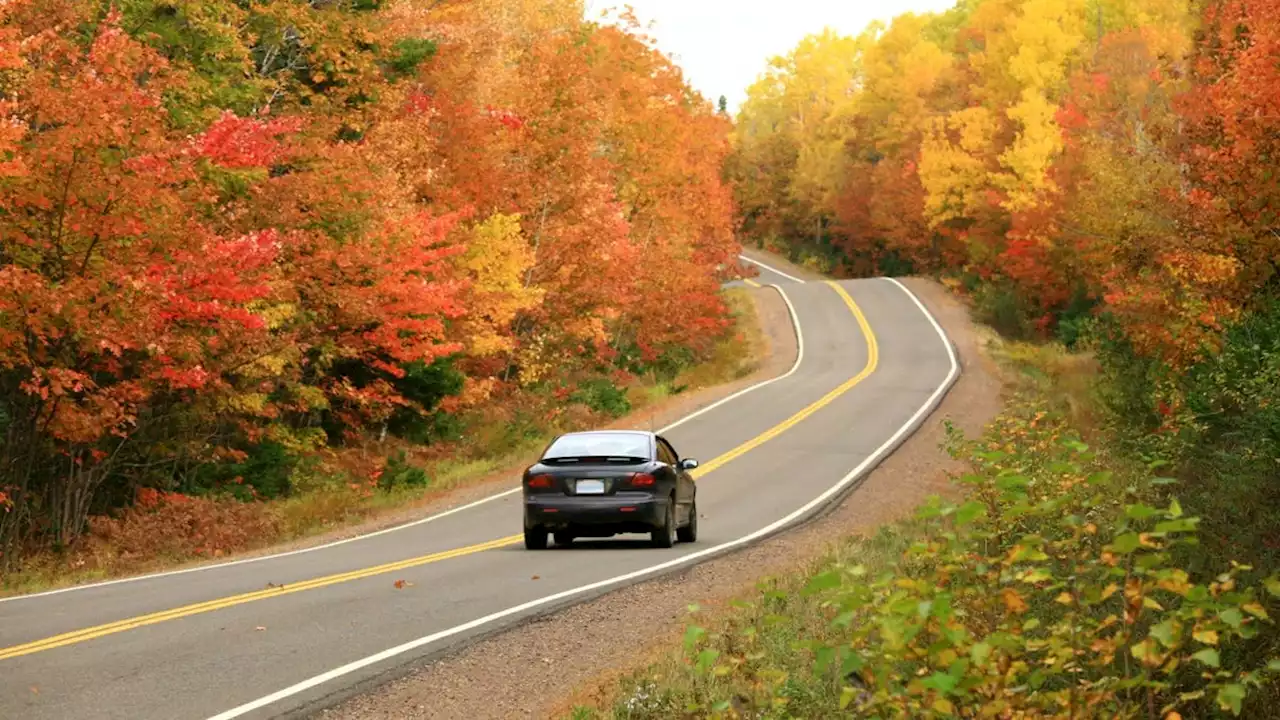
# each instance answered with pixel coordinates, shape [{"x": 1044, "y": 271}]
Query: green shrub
[
  {"x": 266, "y": 472},
  {"x": 603, "y": 396},
  {"x": 408, "y": 54},
  {"x": 399, "y": 473},
  {"x": 1004, "y": 309}
]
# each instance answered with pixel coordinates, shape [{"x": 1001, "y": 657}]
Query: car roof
[{"x": 609, "y": 432}]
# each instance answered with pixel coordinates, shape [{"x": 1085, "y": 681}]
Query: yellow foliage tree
[{"x": 497, "y": 262}]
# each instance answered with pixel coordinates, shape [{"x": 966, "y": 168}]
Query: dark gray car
[{"x": 606, "y": 482}]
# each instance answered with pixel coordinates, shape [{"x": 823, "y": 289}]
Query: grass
[
  {"x": 1053, "y": 591},
  {"x": 342, "y": 491}
]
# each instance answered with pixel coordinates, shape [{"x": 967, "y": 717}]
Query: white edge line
[
  {"x": 844, "y": 482},
  {"x": 795, "y": 324},
  {"x": 775, "y": 270}
]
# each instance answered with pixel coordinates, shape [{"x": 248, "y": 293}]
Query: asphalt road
[{"x": 287, "y": 634}]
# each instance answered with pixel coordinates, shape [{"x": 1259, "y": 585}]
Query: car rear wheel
[
  {"x": 665, "y": 535},
  {"x": 565, "y": 539},
  {"x": 689, "y": 533},
  {"x": 535, "y": 539}
]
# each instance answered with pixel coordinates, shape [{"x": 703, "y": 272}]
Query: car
[{"x": 603, "y": 483}]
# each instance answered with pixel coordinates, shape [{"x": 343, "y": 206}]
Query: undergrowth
[{"x": 1058, "y": 586}]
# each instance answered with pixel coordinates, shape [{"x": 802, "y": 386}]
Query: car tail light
[
  {"x": 540, "y": 481},
  {"x": 642, "y": 480}
]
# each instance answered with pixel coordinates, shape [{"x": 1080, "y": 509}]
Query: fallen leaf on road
[
  {"x": 399, "y": 584},
  {"x": 35, "y": 690},
  {"x": 260, "y": 628},
  {"x": 535, "y": 577}
]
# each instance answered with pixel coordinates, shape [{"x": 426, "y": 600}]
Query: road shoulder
[{"x": 542, "y": 668}]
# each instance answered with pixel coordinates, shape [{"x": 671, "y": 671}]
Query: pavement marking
[
  {"x": 751, "y": 282},
  {"x": 775, "y": 270},
  {"x": 98, "y": 631},
  {"x": 841, "y": 485},
  {"x": 91, "y": 633},
  {"x": 873, "y": 360},
  {"x": 795, "y": 324}
]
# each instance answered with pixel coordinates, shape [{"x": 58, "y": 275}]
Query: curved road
[{"x": 285, "y": 634}]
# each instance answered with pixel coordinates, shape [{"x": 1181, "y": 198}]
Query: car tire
[
  {"x": 664, "y": 536},
  {"x": 535, "y": 539},
  {"x": 689, "y": 533},
  {"x": 564, "y": 539}
]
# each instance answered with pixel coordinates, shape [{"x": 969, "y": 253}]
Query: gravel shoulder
[{"x": 541, "y": 669}]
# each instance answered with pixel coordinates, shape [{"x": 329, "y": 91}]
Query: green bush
[
  {"x": 399, "y": 473},
  {"x": 1003, "y": 308},
  {"x": 601, "y": 395},
  {"x": 408, "y": 54},
  {"x": 265, "y": 473}
]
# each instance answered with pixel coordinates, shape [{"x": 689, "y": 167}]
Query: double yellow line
[
  {"x": 98, "y": 631},
  {"x": 91, "y": 633},
  {"x": 873, "y": 361}
]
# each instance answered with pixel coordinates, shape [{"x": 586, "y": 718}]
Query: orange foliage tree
[{"x": 229, "y": 228}]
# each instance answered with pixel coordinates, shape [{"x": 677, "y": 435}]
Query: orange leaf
[{"x": 1013, "y": 601}]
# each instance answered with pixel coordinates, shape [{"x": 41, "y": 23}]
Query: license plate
[{"x": 590, "y": 487}]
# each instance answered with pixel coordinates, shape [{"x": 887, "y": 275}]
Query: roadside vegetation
[
  {"x": 1064, "y": 578},
  {"x": 1096, "y": 179},
  {"x": 343, "y": 487},
  {"x": 269, "y": 267}
]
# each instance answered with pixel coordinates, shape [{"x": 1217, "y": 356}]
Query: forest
[
  {"x": 239, "y": 235},
  {"x": 1098, "y": 173}
]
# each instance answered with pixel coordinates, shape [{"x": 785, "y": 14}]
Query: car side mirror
[{"x": 688, "y": 464}]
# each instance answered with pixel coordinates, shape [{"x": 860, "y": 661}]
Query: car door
[{"x": 684, "y": 483}]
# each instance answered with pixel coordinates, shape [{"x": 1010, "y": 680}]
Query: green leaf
[
  {"x": 1208, "y": 656},
  {"x": 692, "y": 635},
  {"x": 706, "y": 659},
  {"x": 1230, "y": 697},
  {"x": 1165, "y": 633},
  {"x": 1140, "y": 511},
  {"x": 969, "y": 512},
  {"x": 846, "y": 697},
  {"x": 822, "y": 659},
  {"x": 1273, "y": 586},
  {"x": 1232, "y": 617},
  {"x": 979, "y": 653},
  {"x": 1012, "y": 482},
  {"x": 1175, "y": 509},
  {"x": 1126, "y": 543},
  {"x": 1099, "y": 478},
  {"x": 941, "y": 682},
  {"x": 824, "y": 581},
  {"x": 1179, "y": 525}
]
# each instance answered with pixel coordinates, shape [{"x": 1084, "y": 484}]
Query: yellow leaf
[{"x": 1208, "y": 637}]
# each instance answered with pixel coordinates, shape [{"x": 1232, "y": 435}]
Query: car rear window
[{"x": 593, "y": 445}]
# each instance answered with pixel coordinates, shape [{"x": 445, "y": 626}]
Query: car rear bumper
[{"x": 619, "y": 513}]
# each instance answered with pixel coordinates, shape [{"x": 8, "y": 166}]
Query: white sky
[{"x": 723, "y": 45}]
